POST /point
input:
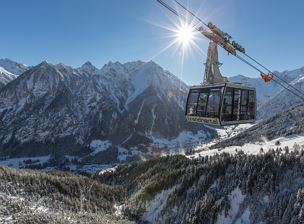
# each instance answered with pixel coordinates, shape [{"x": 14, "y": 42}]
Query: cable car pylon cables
[
  {"x": 278, "y": 80},
  {"x": 279, "y": 83},
  {"x": 191, "y": 13},
  {"x": 300, "y": 93},
  {"x": 268, "y": 70}
]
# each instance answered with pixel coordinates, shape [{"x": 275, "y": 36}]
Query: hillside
[
  {"x": 28, "y": 196},
  {"x": 264, "y": 188},
  {"x": 267, "y": 188},
  {"x": 5, "y": 77},
  {"x": 13, "y": 67},
  {"x": 284, "y": 124}
]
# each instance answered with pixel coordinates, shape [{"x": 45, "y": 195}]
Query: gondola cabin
[{"x": 222, "y": 104}]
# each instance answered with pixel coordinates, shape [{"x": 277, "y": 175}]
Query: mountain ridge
[{"x": 57, "y": 109}]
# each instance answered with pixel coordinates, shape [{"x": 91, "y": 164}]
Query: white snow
[
  {"x": 245, "y": 217},
  {"x": 254, "y": 148},
  {"x": 150, "y": 74},
  {"x": 12, "y": 66},
  {"x": 122, "y": 154},
  {"x": 108, "y": 170},
  {"x": 182, "y": 141},
  {"x": 20, "y": 162},
  {"x": 99, "y": 146},
  {"x": 236, "y": 198},
  {"x": 153, "y": 121},
  {"x": 6, "y": 76},
  {"x": 118, "y": 210},
  {"x": 139, "y": 112},
  {"x": 156, "y": 206},
  {"x": 141, "y": 80},
  {"x": 266, "y": 199},
  {"x": 93, "y": 168}
]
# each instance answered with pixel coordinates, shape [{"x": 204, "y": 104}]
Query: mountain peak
[
  {"x": 88, "y": 67},
  {"x": 45, "y": 63},
  {"x": 45, "y": 68},
  {"x": 114, "y": 66},
  {"x": 12, "y": 66},
  {"x": 5, "y": 77}
]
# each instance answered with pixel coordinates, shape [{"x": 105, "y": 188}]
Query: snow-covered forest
[{"x": 241, "y": 188}]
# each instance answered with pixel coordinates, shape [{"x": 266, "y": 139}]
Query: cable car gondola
[
  {"x": 217, "y": 101},
  {"x": 222, "y": 104}
]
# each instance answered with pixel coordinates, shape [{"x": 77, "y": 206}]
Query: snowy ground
[
  {"x": 21, "y": 162},
  {"x": 236, "y": 198},
  {"x": 200, "y": 144},
  {"x": 292, "y": 142}
]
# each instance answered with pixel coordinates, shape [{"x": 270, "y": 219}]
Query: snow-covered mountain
[
  {"x": 9, "y": 70},
  {"x": 12, "y": 66},
  {"x": 103, "y": 115},
  {"x": 284, "y": 99},
  {"x": 5, "y": 77}
]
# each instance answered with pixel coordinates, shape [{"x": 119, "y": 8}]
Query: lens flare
[{"x": 185, "y": 34}]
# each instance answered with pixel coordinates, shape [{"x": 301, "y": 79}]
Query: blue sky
[{"x": 75, "y": 31}]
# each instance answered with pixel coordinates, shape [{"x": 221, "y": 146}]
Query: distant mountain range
[
  {"x": 9, "y": 70},
  {"x": 117, "y": 113}
]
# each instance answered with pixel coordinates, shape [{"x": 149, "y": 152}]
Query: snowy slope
[
  {"x": 293, "y": 142},
  {"x": 5, "y": 77},
  {"x": 151, "y": 74},
  {"x": 12, "y": 66},
  {"x": 284, "y": 124},
  {"x": 283, "y": 99},
  {"x": 222, "y": 189}
]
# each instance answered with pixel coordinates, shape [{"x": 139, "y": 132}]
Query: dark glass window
[
  {"x": 192, "y": 103},
  {"x": 244, "y": 105},
  {"x": 227, "y": 105},
  {"x": 236, "y": 104},
  {"x": 202, "y": 104},
  {"x": 251, "y": 105},
  {"x": 214, "y": 103}
]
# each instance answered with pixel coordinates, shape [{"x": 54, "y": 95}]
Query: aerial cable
[
  {"x": 268, "y": 70},
  {"x": 177, "y": 13},
  {"x": 169, "y": 8},
  {"x": 254, "y": 67},
  {"x": 191, "y": 13}
]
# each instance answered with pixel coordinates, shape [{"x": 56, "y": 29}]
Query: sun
[{"x": 185, "y": 34}]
